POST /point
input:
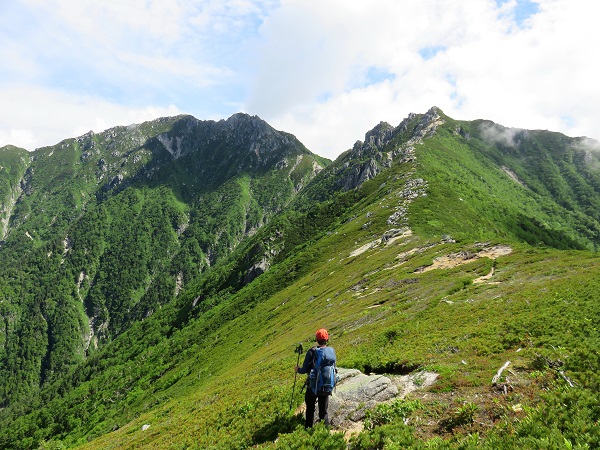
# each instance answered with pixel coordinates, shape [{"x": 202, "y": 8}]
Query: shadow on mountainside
[{"x": 280, "y": 425}]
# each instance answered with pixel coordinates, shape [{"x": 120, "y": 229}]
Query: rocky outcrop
[
  {"x": 6, "y": 211},
  {"x": 414, "y": 188},
  {"x": 356, "y": 393},
  {"x": 359, "y": 174},
  {"x": 369, "y": 158},
  {"x": 256, "y": 270}
]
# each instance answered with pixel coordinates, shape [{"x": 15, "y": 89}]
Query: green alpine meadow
[{"x": 156, "y": 279}]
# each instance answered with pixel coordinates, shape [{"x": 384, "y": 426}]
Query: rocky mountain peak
[
  {"x": 379, "y": 135},
  {"x": 428, "y": 123},
  {"x": 241, "y": 118},
  {"x": 244, "y": 128},
  {"x": 250, "y": 136},
  {"x": 367, "y": 159}
]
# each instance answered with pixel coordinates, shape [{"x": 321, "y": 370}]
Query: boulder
[{"x": 357, "y": 393}]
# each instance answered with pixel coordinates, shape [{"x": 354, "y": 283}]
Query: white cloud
[
  {"x": 110, "y": 20},
  {"x": 539, "y": 75},
  {"x": 590, "y": 145},
  {"x": 55, "y": 115},
  {"x": 18, "y": 137},
  {"x": 326, "y": 70},
  {"x": 500, "y": 135}
]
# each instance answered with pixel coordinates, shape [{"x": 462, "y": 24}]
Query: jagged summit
[
  {"x": 239, "y": 135},
  {"x": 379, "y": 135},
  {"x": 383, "y": 145},
  {"x": 242, "y": 117},
  {"x": 382, "y": 133}
]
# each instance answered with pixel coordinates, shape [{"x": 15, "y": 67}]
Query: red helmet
[{"x": 322, "y": 335}]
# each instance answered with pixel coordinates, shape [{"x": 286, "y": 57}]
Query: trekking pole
[{"x": 298, "y": 350}]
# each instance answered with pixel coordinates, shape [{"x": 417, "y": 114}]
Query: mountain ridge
[{"x": 361, "y": 240}]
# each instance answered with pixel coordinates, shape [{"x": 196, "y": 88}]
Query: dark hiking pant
[{"x": 311, "y": 399}]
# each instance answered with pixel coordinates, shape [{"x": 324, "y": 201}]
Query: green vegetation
[
  {"x": 103, "y": 230},
  {"x": 390, "y": 412},
  {"x": 198, "y": 296}
]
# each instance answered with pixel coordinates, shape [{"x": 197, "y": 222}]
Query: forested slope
[{"x": 102, "y": 230}]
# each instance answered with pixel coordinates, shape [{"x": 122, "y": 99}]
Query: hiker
[{"x": 318, "y": 390}]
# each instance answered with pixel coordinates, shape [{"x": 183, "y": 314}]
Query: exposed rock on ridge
[
  {"x": 367, "y": 159},
  {"x": 356, "y": 393},
  {"x": 257, "y": 140}
]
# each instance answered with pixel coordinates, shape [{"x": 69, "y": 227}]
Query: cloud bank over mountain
[{"x": 324, "y": 70}]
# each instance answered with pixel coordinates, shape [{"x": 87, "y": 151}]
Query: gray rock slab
[{"x": 357, "y": 393}]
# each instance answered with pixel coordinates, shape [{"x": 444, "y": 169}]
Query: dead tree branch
[{"x": 499, "y": 373}]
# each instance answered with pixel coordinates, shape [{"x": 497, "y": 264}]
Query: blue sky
[
  {"x": 520, "y": 10},
  {"x": 324, "y": 70}
]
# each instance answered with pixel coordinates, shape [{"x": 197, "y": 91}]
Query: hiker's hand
[{"x": 296, "y": 369}]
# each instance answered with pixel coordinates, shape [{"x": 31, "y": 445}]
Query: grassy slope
[
  {"x": 233, "y": 380},
  {"x": 224, "y": 379},
  {"x": 235, "y": 399}
]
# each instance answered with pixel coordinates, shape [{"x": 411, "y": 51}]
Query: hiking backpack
[{"x": 323, "y": 375}]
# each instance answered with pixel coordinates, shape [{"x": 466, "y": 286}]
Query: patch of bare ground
[
  {"x": 465, "y": 257},
  {"x": 513, "y": 176},
  {"x": 388, "y": 238}
]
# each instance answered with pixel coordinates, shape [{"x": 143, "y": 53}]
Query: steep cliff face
[{"x": 13, "y": 162}]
